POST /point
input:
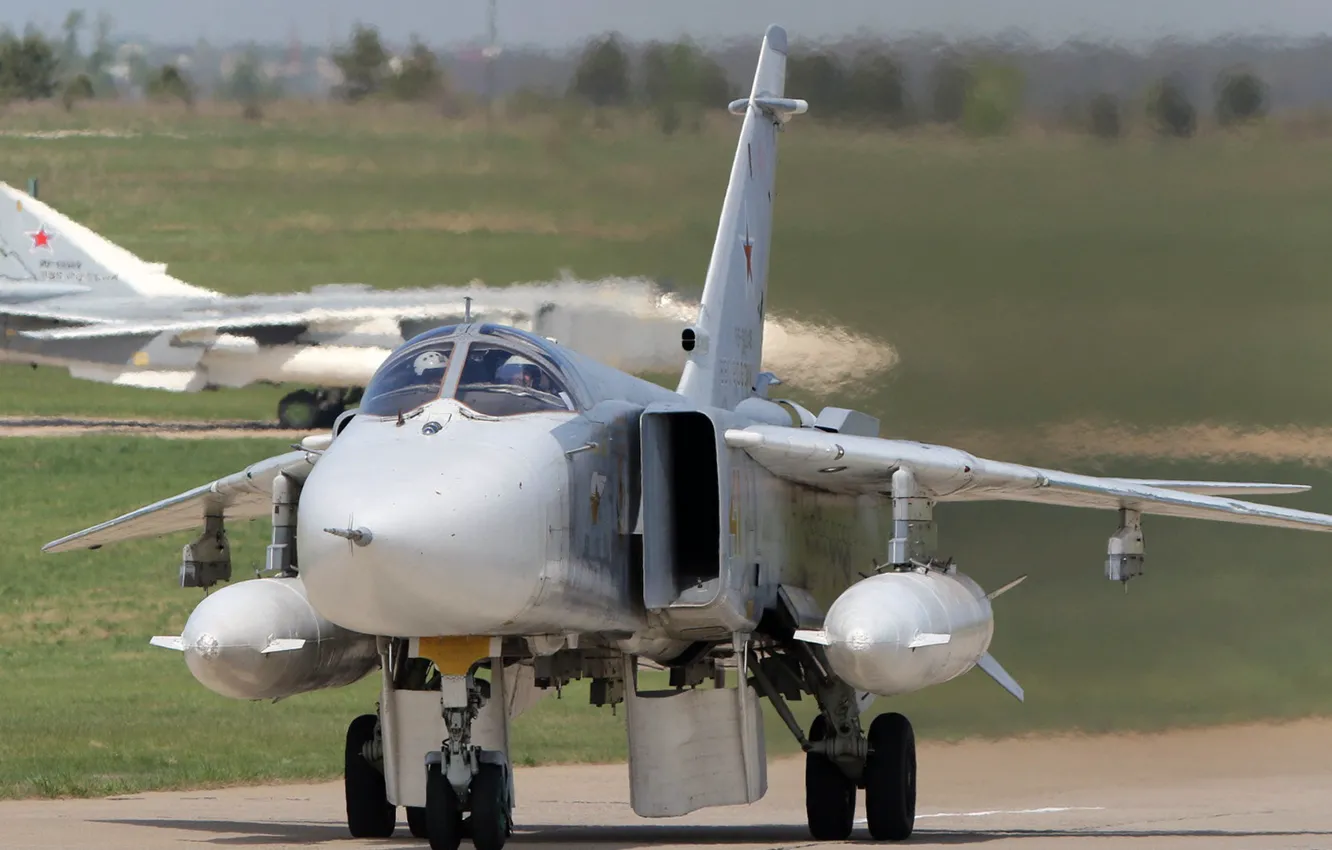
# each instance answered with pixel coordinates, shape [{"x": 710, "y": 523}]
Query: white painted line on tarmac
[{"x": 1048, "y": 810}]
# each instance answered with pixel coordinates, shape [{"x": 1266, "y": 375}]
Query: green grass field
[{"x": 1025, "y": 282}]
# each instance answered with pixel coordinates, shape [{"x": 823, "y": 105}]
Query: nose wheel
[
  {"x": 462, "y": 777},
  {"x": 443, "y": 811},
  {"x": 490, "y": 823}
]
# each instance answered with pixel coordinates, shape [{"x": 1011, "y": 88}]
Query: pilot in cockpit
[
  {"x": 498, "y": 382},
  {"x": 431, "y": 361},
  {"x": 520, "y": 375}
]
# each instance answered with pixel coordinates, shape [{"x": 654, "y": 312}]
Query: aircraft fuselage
[{"x": 535, "y": 524}]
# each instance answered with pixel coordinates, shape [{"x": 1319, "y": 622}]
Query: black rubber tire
[
  {"x": 490, "y": 808},
  {"x": 890, "y": 778},
  {"x": 830, "y": 795},
  {"x": 416, "y": 821},
  {"x": 298, "y": 410},
  {"x": 443, "y": 812},
  {"x": 327, "y": 416},
  {"x": 369, "y": 813}
]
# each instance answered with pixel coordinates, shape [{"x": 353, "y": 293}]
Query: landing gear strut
[
  {"x": 462, "y": 777},
  {"x": 319, "y": 408}
]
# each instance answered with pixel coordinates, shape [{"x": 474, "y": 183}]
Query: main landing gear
[
  {"x": 308, "y": 409},
  {"x": 462, "y": 777},
  {"x": 840, "y": 759},
  {"x": 888, "y": 776},
  {"x": 369, "y": 812}
]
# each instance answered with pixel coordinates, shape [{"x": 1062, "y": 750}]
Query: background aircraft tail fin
[
  {"x": 48, "y": 251},
  {"x": 726, "y": 344}
]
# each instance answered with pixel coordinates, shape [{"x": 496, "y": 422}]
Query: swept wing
[
  {"x": 854, "y": 464},
  {"x": 342, "y": 305},
  {"x": 247, "y": 494}
]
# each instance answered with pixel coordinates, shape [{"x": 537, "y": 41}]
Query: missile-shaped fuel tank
[
  {"x": 261, "y": 639},
  {"x": 899, "y": 632}
]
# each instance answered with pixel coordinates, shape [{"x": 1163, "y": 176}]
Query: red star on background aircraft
[
  {"x": 40, "y": 238},
  {"x": 749, "y": 255}
]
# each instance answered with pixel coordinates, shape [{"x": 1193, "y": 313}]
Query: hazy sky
[{"x": 561, "y": 22}]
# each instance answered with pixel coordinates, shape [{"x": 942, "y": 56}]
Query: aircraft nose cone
[{"x": 428, "y": 538}]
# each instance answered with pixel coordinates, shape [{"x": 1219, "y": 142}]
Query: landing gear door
[{"x": 694, "y": 748}]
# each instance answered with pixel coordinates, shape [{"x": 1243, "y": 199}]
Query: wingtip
[{"x": 69, "y": 543}]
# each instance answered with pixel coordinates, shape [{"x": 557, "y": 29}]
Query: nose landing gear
[{"x": 462, "y": 777}]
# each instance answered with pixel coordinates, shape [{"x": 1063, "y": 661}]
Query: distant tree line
[
  {"x": 981, "y": 95},
  {"x": 677, "y": 81},
  {"x": 370, "y": 71},
  {"x": 980, "y": 91},
  {"x": 34, "y": 67}
]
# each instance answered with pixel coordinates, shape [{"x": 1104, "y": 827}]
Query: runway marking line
[{"x": 1048, "y": 810}]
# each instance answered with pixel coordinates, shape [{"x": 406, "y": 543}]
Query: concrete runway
[{"x": 1246, "y": 787}]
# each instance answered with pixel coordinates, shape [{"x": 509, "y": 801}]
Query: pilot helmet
[
  {"x": 428, "y": 360},
  {"x": 518, "y": 372}
]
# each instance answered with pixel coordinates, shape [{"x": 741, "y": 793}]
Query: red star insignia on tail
[
  {"x": 749, "y": 255},
  {"x": 40, "y": 238}
]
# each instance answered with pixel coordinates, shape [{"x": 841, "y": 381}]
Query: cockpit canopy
[
  {"x": 502, "y": 373},
  {"x": 411, "y": 376},
  {"x": 498, "y": 381}
]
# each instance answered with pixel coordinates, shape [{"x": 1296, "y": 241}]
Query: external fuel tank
[
  {"x": 261, "y": 639},
  {"x": 899, "y": 632}
]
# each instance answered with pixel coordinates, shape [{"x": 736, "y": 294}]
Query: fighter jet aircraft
[
  {"x": 71, "y": 298},
  {"x": 503, "y": 515}
]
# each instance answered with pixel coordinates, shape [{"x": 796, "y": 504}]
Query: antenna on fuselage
[{"x": 467, "y": 309}]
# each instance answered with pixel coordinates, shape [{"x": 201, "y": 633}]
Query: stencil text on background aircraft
[
  {"x": 744, "y": 339},
  {"x": 735, "y": 373}
]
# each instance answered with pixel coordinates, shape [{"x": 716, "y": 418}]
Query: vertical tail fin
[
  {"x": 726, "y": 344},
  {"x": 39, "y": 248}
]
